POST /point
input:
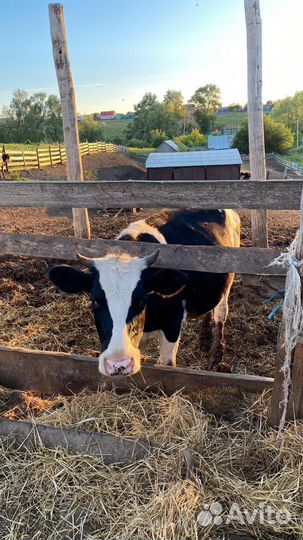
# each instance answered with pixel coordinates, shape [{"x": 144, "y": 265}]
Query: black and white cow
[{"x": 131, "y": 300}]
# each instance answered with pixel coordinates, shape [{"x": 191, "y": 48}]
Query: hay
[{"x": 49, "y": 494}]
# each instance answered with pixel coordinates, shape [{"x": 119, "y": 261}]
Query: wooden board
[
  {"x": 53, "y": 372},
  {"x": 112, "y": 449},
  {"x": 273, "y": 194},
  {"x": 201, "y": 258}
]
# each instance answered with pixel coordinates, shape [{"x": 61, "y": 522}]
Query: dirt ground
[{"x": 102, "y": 166}]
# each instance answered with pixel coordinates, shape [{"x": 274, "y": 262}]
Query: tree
[
  {"x": 159, "y": 118},
  {"x": 278, "y": 137},
  {"x": 90, "y": 130},
  {"x": 235, "y": 107},
  {"x": 174, "y": 103},
  {"x": 207, "y": 100},
  {"x": 136, "y": 129},
  {"x": 53, "y": 119},
  {"x": 36, "y": 118},
  {"x": 151, "y": 116},
  {"x": 290, "y": 111}
]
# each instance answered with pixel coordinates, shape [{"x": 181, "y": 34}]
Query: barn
[
  {"x": 168, "y": 146},
  {"x": 209, "y": 165},
  {"x": 220, "y": 142}
]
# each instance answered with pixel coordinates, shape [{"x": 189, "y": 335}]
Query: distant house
[
  {"x": 168, "y": 146},
  {"x": 230, "y": 129},
  {"x": 220, "y": 142},
  {"x": 125, "y": 116},
  {"x": 223, "y": 110},
  {"x": 107, "y": 115},
  {"x": 208, "y": 165}
]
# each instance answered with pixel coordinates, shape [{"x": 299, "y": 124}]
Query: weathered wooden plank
[
  {"x": 255, "y": 113},
  {"x": 202, "y": 258},
  {"x": 53, "y": 372},
  {"x": 69, "y": 112},
  {"x": 274, "y": 194},
  {"x": 112, "y": 449}
]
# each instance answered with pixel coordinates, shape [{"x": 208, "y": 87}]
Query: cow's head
[{"x": 119, "y": 287}]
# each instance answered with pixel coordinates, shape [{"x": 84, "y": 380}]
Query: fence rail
[
  {"x": 241, "y": 194},
  {"x": 291, "y": 165},
  {"x": 53, "y": 155},
  {"x": 198, "y": 258}
]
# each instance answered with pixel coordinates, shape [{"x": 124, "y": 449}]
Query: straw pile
[{"x": 48, "y": 494}]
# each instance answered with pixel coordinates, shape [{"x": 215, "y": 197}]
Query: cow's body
[{"x": 133, "y": 301}]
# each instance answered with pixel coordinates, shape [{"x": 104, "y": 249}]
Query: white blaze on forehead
[
  {"x": 141, "y": 227},
  {"x": 118, "y": 276}
]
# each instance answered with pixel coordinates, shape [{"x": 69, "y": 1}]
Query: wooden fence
[
  {"x": 24, "y": 371},
  {"x": 290, "y": 165},
  {"x": 43, "y": 156}
]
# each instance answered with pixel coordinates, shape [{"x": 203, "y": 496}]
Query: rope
[{"x": 292, "y": 314}]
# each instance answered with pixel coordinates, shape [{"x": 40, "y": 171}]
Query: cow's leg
[
  {"x": 218, "y": 343},
  {"x": 168, "y": 350},
  {"x": 205, "y": 338}
]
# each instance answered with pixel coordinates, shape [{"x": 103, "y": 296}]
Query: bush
[
  {"x": 195, "y": 138},
  {"x": 136, "y": 143},
  {"x": 157, "y": 137},
  {"x": 90, "y": 130},
  {"x": 278, "y": 137}
]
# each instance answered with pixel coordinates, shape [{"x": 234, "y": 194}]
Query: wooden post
[
  {"x": 23, "y": 156},
  {"x": 38, "y": 159},
  {"x": 69, "y": 113},
  {"x": 50, "y": 155},
  {"x": 255, "y": 113},
  {"x": 295, "y": 391},
  {"x": 60, "y": 153}
]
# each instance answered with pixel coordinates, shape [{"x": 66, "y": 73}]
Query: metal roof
[
  {"x": 194, "y": 159},
  {"x": 219, "y": 142},
  {"x": 173, "y": 145}
]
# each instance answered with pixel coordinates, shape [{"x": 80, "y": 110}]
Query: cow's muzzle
[{"x": 119, "y": 367}]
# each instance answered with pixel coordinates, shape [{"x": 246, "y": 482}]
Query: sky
[{"x": 120, "y": 49}]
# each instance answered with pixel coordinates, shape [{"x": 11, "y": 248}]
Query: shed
[
  {"x": 220, "y": 142},
  {"x": 168, "y": 146},
  {"x": 208, "y": 165}
]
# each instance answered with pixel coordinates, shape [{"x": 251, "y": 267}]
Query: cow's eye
[{"x": 97, "y": 303}]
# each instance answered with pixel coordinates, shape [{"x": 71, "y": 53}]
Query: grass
[
  {"x": 19, "y": 146},
  {"x": 236, "y": 118},
  {"x": 114, "y": 128},
  {"x": 144, "y": 150},
  {"x": 295, "y": 155}
]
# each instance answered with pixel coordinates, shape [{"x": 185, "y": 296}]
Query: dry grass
[{"x": 47, "y": 494}]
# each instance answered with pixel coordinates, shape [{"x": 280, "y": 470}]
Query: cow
[{"x": 132, "y": 301}]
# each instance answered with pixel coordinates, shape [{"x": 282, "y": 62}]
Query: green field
[
  {"x": 114, "y": 127},
  {"x": 295, "y": 155},
  {"x": 236, "y": 118},
  {"x": 19, "y": 146}
]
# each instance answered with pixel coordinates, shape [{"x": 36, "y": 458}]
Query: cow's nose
[{"x": 119, "y": 367}]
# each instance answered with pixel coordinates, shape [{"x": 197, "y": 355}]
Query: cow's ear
[
  {"x": 167, "y": 283},
  {"x": 70, "y": 280}
]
